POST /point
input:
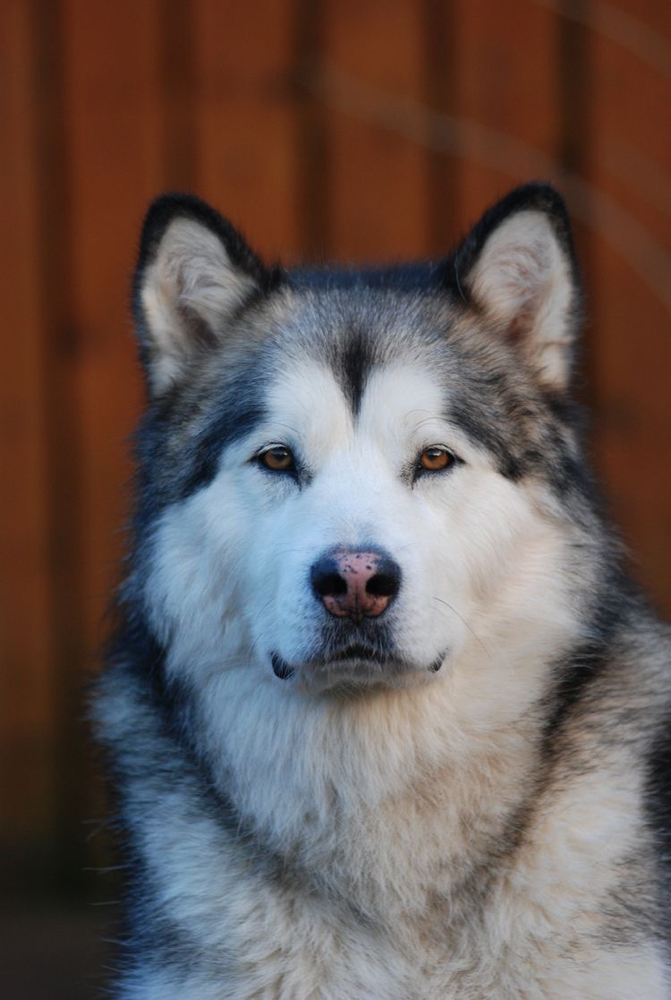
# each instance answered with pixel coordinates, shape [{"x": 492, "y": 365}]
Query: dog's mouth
[{"x": 358, "y": 661}]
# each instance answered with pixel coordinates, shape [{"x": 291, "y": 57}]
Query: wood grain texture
[
  {"x": 26, "y": 624},
  {"x": 245, "y": 115},
  {"x": 370, "y": 130},
  {"x": 378, "y": 177}
]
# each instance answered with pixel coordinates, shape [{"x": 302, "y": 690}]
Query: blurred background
[{"x": 360, "y": 129}]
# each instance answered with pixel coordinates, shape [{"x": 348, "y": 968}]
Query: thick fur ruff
[{"x": 386, "y": 717}]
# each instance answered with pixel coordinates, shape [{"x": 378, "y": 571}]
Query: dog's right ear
[{"x": 193, "y": 274}]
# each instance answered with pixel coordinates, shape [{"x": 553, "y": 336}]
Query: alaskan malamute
[{"x": 386, "y": 717}]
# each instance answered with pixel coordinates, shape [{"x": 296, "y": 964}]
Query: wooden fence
[{"x": 363, "y": 129}]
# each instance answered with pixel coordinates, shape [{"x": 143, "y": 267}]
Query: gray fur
[{"x": 364, "y": 825}]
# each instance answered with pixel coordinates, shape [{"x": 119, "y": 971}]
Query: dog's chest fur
[{"x": 427, "y": 874}]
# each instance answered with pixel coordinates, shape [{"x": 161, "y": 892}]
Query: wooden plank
[
  {"x": 114, "y": 136},
  {"x": 176, "y": 116},
  {"x": 27, "y": 702},
  {"x": 114, "y": 127},
  {"x": 631, "y": 304},
  {"x": 245, "y": 119},
  {"x": 507, "y": 82},
  {"x": 372, "y": 71},
  {"x": 441, "y": 97}
]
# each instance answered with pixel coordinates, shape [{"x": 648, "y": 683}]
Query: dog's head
[{"x": 352, "y": 477}]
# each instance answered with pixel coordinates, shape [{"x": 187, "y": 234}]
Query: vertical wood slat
[
  {"x": 113, "y": 135},
  {"x": 506, "y": 66},
  {"x": 61, "y": 431},
  {"x": 115, "y": 147},
  {"x": 631, "y": 323},
  {"x": 379, "y": 181},
  {"x": 27, "y": 703},
  {"x": 176, "y": 96},
  {"x": 441, "y": 96},
  {"x": 245, "y": 119},
  {"x": 312, "y": 154}
]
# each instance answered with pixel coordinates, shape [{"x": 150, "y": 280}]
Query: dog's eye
[
  {"x": 435, "y": 459},
  {"x": 277, "y": 459}
]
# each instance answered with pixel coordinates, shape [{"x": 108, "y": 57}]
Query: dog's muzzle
[{"x": 355, "y": 587}]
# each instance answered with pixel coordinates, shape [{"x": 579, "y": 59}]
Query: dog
[{"x": 385, "y": 715}]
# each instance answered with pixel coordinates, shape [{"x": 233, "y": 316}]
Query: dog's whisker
[{"x": 462, "y": 619}]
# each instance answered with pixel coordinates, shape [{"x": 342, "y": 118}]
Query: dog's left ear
[{"x": 518, "y": 267}]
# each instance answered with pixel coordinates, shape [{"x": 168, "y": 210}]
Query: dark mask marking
[
  {"x": 238, "y": 410},
  {"x": 352, "y": 363},
  {"x": 482, "y": 431}
]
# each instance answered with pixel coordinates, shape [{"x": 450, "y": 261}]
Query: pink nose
[{"x": 356, "y": 584}]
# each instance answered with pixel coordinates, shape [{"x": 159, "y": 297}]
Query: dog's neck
[{"x": 391, "y": 795}]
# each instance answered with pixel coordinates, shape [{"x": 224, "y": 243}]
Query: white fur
[
  {"x": 385, "y": 798},
  {"x": 454, "y": 537},
  {"x": 537, "y": 939}
]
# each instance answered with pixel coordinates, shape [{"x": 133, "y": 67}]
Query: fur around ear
[
  {"x": 194, "y": 272},
  {"x": 518, "y": 266}
]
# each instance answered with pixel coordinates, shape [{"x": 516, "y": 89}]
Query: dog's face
[{"x": 349, "y": 484}]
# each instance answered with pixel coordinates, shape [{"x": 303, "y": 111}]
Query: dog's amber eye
[
  {"x": 278, "y": 459},
  {"x": 435, "y": 459}
]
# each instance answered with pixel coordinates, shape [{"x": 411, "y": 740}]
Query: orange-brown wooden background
[{"x": 363, "y": 129}]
